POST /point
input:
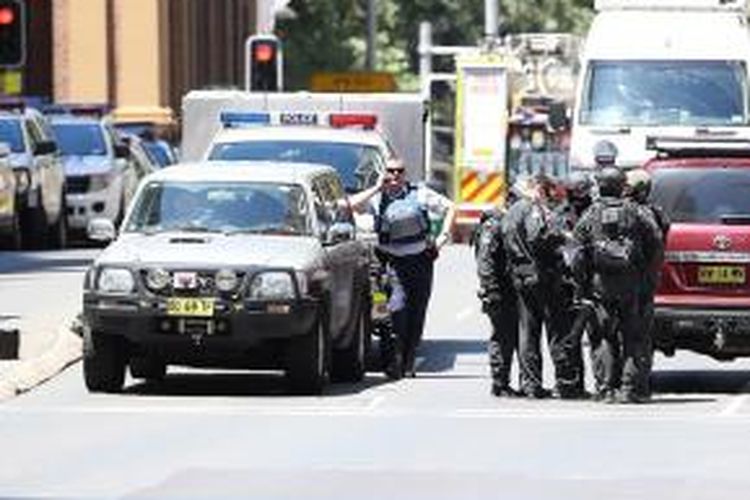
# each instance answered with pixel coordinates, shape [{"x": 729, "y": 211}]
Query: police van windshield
[
  {"x": 702, "y": 195},
  {"x": 221, "y": 207},
  {"x": 665, "y": 93},
  {"x": 10, "y": 133},
  {"x": 356, "y": 164},
  {"x": 80, "y": 139}
]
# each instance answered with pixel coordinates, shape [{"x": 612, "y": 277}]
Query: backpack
[
  {"x": 615, "y": 251},
  {"x": 402, "y": 220}
]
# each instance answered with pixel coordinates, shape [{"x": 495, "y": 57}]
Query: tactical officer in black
[
  {"x": 617, "y": 245},
  {"x": 639, "y": 189},
  {"x": 498, "y": 298},
  {"x": 532, "y": 242}
]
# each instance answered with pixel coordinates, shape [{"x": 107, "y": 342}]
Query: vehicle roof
[
  {"x": 241, "y": 171},
  {"x": 300, "y": 133},
  {"x": 67, "y": 118},
  {"x": 698, "y": 162},
  {"x": 667, "y": 35}
]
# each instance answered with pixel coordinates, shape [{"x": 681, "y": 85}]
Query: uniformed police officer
[
  {"x": 499, "y": 300},
  {"x": 639, "y": 189},
  {"x": 617, "y": 244},
  {"x": 532, "y": 242},
  {"x": 402, "y": 221}
]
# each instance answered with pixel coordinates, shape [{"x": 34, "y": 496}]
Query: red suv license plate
[{"x": 721, "y": 275}]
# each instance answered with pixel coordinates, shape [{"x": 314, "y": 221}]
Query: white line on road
[{"x": 733, "y": 406}]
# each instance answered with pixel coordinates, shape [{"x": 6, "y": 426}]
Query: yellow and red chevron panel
[{"x": 482, "y": 187}]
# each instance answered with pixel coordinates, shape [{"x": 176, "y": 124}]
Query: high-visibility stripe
[
  {"x": 467, "y": 179},
  {"x": 488, "y": 191}
]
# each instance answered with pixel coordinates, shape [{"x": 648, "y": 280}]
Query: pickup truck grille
[{"x": 77, "y": 184}]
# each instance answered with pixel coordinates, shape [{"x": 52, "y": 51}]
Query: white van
[{"x": 661, "y": 67}]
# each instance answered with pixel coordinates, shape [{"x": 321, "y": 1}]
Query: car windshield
[
  {"x": 220, "y": 207},
  {"x": 356, "y": 164},
  {"x": 665, "y": 93},
  {"x": 10, "y": 133},
  {"x": 702, "y": 195},
  {"x": 85, "y": 139}
]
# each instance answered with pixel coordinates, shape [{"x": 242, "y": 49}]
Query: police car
[
  {"x": 703, "y": 299},
  {"x": 254, "y": 266},
  {"x": 347, "y": 142},
  {"x": 40, "y": 178},
  {"x": 101, "y": 176}
]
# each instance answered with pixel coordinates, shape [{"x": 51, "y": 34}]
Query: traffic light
[
  {"x": 12, "y": 33},
  {"x": 264, "y": 64}
]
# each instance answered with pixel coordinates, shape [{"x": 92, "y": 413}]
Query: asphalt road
[{"x": 222, "y": 434}]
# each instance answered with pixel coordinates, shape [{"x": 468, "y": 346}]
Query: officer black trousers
[
  {"x": 415, "y": 275},
  {"x": 504, "y": 339},
  {"x": 538, "y": 306}
]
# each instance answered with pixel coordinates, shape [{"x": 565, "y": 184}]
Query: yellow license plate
[
  {"x": 190, "y": 306},
  {"x": 721, "y": 275}
]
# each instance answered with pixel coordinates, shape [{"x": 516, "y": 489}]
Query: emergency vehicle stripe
[
  {"x": 488, "y": 191},
  {"x": 468, "y": 179}
]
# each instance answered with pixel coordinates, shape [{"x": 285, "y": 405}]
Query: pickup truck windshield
[
  {"x": 10, "y": 133},
  {"x": 81, "y": 139},
  {"x": 665, "y": 93},
  {"x": 220, "y": 207},
  {"x": 355, "y": 163},
  {"x": 702, "y": 195}
]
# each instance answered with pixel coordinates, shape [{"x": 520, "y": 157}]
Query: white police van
[{"x": 661, "y": 67}]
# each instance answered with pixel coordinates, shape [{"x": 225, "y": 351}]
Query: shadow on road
[
  {"x": 701, "y": 382},
  {"x": 13, "y": 262},
  {"x": 439, "y": 355},
  {"x": 237, "y": 384}
]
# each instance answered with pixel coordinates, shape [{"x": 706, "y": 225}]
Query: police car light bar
[
  {"x": 340, "y": 120},
  {"x": 698, "y": 146},
  {"x": 230, "y": 119},
  {"x": 739, "y": 6}
]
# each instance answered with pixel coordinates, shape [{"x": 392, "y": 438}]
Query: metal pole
[
  {"x": 425, "y": 57},
  {"x": 370, "y": 61},
  {"x": 490, "y": 21}
]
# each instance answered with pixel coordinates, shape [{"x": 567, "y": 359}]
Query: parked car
[
  {"x": 101, "y": 177},
  {"x": 10, "y": 220},
  {"x": 254, "y": 266},
  {"x": 703, "y": 299},
  {"x": 39, "y": 174}
]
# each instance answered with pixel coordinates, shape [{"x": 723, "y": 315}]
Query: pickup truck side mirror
[
  {"x": 122, "y": 151},
  {"x": 101, "y": 229},
  {"x": 45, "y": 148},
  {"x": 339, "y": 232}
]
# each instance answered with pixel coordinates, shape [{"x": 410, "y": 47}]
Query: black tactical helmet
[
  {"x": 578, "y": 185},
  {"x": 605, "y": 154},
  {"x": 611, "y": 181}
]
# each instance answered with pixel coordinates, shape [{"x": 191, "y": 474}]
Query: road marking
[{"x": 733, "y": 406}]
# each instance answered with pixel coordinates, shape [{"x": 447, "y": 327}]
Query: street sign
[{"x": 355, "y": 81}]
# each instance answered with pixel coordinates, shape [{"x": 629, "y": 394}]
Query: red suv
[{"x": 703, "y": 299}]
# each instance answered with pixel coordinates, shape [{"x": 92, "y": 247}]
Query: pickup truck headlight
[
  {"x": 100, "y": 182},
  {"x": 272, "y": 285},
  {"x": 115, "y": 280}
]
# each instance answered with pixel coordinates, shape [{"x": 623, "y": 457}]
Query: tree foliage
[{"x": 329, "y": 35}]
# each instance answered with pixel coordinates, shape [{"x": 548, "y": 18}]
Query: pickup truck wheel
[
  {"x": 349, "y": 364},
  {"x": 148, "y": 367},
  {"x": 307, "y": 360},
  {"x": 103, "y": 362},
  {"x": 34, "y": 227},
  {"x": 13, "y": 240},
  {"x": 58, "y": 232}
]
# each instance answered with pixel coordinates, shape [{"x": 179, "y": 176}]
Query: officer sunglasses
[{"x": 397, "y": 170}]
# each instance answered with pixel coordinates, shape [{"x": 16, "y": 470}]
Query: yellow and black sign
[{"x": 358, "y": 81}]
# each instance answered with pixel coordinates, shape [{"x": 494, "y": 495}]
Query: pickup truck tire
[
  {"x": 350, "y": 364},
  {"x": 307, "y": 359},
  {"x": 34, "y": 227},
  {"x": 58, "y": 232},
  {"x": 148, "y": 367},
  {"x": 103, "y": 362}
]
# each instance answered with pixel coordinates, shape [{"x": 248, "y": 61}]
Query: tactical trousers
[
  {"x": 538, "y": 306},
  {"x": 504, "y": 339},
  {"x": 415, "y": 275}
]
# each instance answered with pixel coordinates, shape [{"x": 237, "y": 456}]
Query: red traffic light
[
  {"x": 264, "y": 52},
  {"x": 7, "y": 16}
]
